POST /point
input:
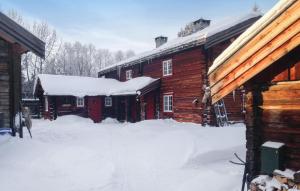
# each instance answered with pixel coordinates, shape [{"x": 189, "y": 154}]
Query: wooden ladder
[{"x": 221, "y": 113}]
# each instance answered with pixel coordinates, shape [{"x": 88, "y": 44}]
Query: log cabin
[
  {"x": 265, "y": 59},
  {"x": 14, "y": 41},
  {"x": 90, "y": 97},
  {"x": 182, "y": 66}
]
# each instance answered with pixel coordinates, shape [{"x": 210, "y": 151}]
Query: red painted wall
[
  {"x": 185, "y": 84},
  {"x": 95, "y": 108}
]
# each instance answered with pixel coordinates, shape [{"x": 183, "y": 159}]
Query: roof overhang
[
  {"x": 265, "y": 42},
  {"x": 14, "y": 33}
]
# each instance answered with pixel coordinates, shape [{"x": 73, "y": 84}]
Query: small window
[
  {"x": 108, "y": 101},
  {"x": 128, "y": 74},
  {"x": 46, "y": 103},
  {"x": 167, "y": 67},
  {"x": 80, "y": 102},
  {"x": 168, "y": 103}
]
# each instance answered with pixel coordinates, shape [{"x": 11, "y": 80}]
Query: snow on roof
[
  {"x": 197, "y": 38},
  {"x": 87, "y": 86},
  {"x": 275, "y": 145},
  {"x": 280, "y": 7}
]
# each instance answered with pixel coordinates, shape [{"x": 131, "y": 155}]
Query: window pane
[
  {"x": 170, "y": 68},
  {"x": 171, "y": 103}
]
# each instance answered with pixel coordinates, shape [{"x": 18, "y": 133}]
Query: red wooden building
[
  {"x": 266, "y": 61},
  {"x": 182, "y": 65},
  {"x": 96, "y": 98}
]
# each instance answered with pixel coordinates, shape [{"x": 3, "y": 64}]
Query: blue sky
[{"x": 126, "y": 24}]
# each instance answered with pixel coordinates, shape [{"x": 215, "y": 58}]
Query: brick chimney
[{"x": 160, "y": 40}]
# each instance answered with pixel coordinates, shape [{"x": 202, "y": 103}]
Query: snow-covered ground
[{"x": 75, "y": 154}]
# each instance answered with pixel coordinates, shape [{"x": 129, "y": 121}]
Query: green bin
[{"x": 272, "y": 156}]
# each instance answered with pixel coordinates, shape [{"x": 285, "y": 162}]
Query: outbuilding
[
  {"x": 14, "y": 41},
  {"x": 266, "y": 61},
  {"x": 96, "y": 98}
]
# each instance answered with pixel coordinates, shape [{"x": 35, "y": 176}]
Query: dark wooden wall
[
  {"x": 136, "y": 72},
  {"x": 4, "y": 83},
  {"x": 233, "y": 101},
  {"x": 10, "y": 81},
  {"x": 273, "y": 111},
  {"x": 185, "y": 84},
  {"x": 110, "y": 74}
]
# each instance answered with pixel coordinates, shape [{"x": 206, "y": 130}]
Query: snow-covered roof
[
  {"x": 280, "y": 7},
  {"x": 87, "y": 86},
  {"x": 198, "y": 38}
]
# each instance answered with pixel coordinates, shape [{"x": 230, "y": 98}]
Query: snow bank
[
  {"x": 87, "y": 86},
  {"x": 73, "y": 153},
  {"x": 199, "y": 37}
]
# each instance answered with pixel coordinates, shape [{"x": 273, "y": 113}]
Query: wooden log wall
[
  {"x": 4, "y": 83},
  {"x": 273, "y": 111},
  {"x": 135, "y": 72},
  {"x": 234, "y": 100},
  {"x": 185, "y": 84}
]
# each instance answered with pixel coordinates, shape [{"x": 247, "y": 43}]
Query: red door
[
  {"x": 95, "y": 108},
  {"x": 150, "y": 106}
]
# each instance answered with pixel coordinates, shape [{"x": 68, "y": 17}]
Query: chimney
[
  {"x": 200, "y": 24},
  {"x": 193, "y": 27},
  {"x": 160, "y": 41}
]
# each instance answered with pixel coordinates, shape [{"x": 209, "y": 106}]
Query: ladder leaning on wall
[{"x": 221, "y": 113}]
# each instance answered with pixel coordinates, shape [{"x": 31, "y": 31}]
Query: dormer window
[
  {"x": 167, "y": 67},
  {"x": 128, "y": 74}
]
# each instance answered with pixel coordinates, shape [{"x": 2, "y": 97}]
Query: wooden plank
[
  {"x": 265, "y": 36},
  {"x": 258, "y": 56},
  {"x": 267, "y": 61}
]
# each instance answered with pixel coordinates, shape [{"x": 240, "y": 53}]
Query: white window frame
[
  {"x": 79, "y": 101},
  {"x": 46, "y": 103},
  {"x": 168, "y": 102},
  {"x": 108, "y": 101},
  {"x": 167, "y": 67},
  {"x": 128, "y": 74}
]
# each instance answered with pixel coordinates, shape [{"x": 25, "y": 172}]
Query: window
[
  {"x": 168, "y": 103},
  {"x": 46, "y": 103},
  {"x": 167, "y": 67},
  {"x": 128, "y": 74},
  {"x": 80, "y": 102},
  {"x": 108, "y": 102}
]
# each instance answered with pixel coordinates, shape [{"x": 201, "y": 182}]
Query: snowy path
[{"x": 74, "y": 154}]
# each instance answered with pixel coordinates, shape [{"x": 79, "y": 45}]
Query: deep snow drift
[{"x": 74, "y": 154}]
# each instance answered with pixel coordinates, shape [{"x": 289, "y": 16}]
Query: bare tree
[
  {"x": 129, "y": 53},
  {"x": 32, "y": 64},
  {"x": 119, "y": 56},
  {"x": 64, "y": 58}
]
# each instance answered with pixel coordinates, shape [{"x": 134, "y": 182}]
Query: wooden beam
[
  {"x": 257, "y": 57},
  {"x": 267, "y": 61},
  {"x": 265, "y": 36}
]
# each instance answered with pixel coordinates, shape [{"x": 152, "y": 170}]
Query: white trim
[
  {"x": 108, "y": 101},
  {"x": 168, "y": 103},
  {"x": 46, "y": 103},
  {"x": 128, "y": 74},
  {"x": 79, "y": 101},
  {"x": 167, "y": 67}
]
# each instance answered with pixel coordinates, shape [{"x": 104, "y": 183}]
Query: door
[
  {"x": 150, "y": 106},
  {"x": 95, "y": 108}
]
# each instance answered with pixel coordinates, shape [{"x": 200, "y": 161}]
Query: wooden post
[
  {"x": 253, "y": 131},
  {"x": 126, "y": 109}
]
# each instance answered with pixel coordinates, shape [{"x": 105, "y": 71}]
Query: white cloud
[{"x": 104, "y": 39}]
